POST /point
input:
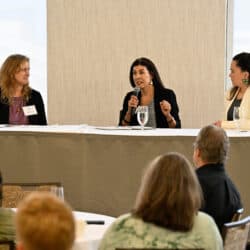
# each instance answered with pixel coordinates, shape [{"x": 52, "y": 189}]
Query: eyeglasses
[{"x": 24, "y": 69}]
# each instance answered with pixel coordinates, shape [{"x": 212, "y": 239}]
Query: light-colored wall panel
[{"x": 92, "y": 43}]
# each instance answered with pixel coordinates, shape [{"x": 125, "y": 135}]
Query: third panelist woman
[
  {"x": 163, "y": 107},
  {"x": 239, "y": 94}
]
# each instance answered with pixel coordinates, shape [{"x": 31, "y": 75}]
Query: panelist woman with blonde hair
[{"x": 19, "y": 103}]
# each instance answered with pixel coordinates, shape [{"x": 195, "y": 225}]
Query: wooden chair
[
  {"x": 13, "y": 193},
  {"x": 235, "y": 234},
  {"x": 237, "y": 215},
  {"x": 7, "y": 245}
]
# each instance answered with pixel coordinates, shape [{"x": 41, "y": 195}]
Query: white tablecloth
[
  {"x": 92, "y": 234},
  {"x": 102, "y": 166},
  {"x": 114, "y": 130}
]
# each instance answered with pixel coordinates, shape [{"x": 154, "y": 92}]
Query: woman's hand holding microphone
[{"x": 132, "y": 105}]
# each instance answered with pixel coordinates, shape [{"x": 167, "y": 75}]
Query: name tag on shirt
[{"x": 29, "y": 110}]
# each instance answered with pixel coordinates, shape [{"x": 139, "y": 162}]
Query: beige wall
[{"x": 92, "y": 43}]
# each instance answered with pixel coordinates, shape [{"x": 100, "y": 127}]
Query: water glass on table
[
  {"x": 58, "y": 191},
  {"x": 236, "y": 117},
  {"x": 142, "y": 115}
]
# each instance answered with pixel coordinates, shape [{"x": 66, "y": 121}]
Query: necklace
[
  {"x": 18, "y": 110},
  {"x": 17, "y": 104}
]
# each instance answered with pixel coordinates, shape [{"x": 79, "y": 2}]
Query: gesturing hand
[
  {"x": 165, "y": 108},
  {"x": 217, "y": 123}
]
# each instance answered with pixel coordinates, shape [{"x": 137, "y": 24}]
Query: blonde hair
[
  {"x": 170, "y": 194},
  {"x": 7, "y": 80},
  {"x": 44, "y": 222}
]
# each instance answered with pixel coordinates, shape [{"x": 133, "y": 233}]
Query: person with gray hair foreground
[
  {"x": 221, "y": 198},
  {"x": 44, "y": 222}
]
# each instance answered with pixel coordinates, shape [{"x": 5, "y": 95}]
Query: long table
[
  {"x": 100, "y": 168},
  {"x": 88, "y": 237}
]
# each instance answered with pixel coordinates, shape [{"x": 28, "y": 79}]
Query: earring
[{"x": 245, "y": 81}]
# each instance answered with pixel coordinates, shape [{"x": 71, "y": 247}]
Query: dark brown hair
[
  {"x": 170, "y": 194},
  {"x": 243, "y": 62},
  {"x": 143, "y": 61}
]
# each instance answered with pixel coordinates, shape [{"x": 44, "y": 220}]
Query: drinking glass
[
  {"x": 58, "y": 191},
  {"x": 236, "y": 116},
  {"x": 142, "y": 115}
]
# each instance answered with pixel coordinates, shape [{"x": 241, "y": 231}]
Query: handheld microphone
[{"x": 136, "y": 93}]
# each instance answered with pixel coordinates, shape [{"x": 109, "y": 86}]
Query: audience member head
[
  {"x": 169, "y": 194},
  {"x": 240, "y": 72},
  {"x": 151, "y": 68},
  {"x": 211, "y": 146},
  {"x": 44, "y": 222},
  {"x": 14, "y": 72}
]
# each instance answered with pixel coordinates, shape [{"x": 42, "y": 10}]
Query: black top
[
  {"x": 230, "y": 112},
  {"x": 159, "y": 95},
  {"x": 35, "y": 99},
  {"x": 221, "y": 198}
]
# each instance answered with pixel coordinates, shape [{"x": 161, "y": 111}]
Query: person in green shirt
[{"x": 7, "y": 227}]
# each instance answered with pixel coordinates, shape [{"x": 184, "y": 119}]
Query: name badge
[{"x": 29, "y": 110}]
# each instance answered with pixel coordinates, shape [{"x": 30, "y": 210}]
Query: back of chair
[
  {"x": 7, "y": 245},
  {"x": 235, "y": 234},
  {"x": 13, "y": 193}
]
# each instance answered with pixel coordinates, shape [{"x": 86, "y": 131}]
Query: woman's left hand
[{"x": 165, "y": 108}]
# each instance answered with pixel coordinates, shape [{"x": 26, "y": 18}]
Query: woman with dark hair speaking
[
  {"x": 161, "y": 102},
  {"x": 166, "y": 212}
]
